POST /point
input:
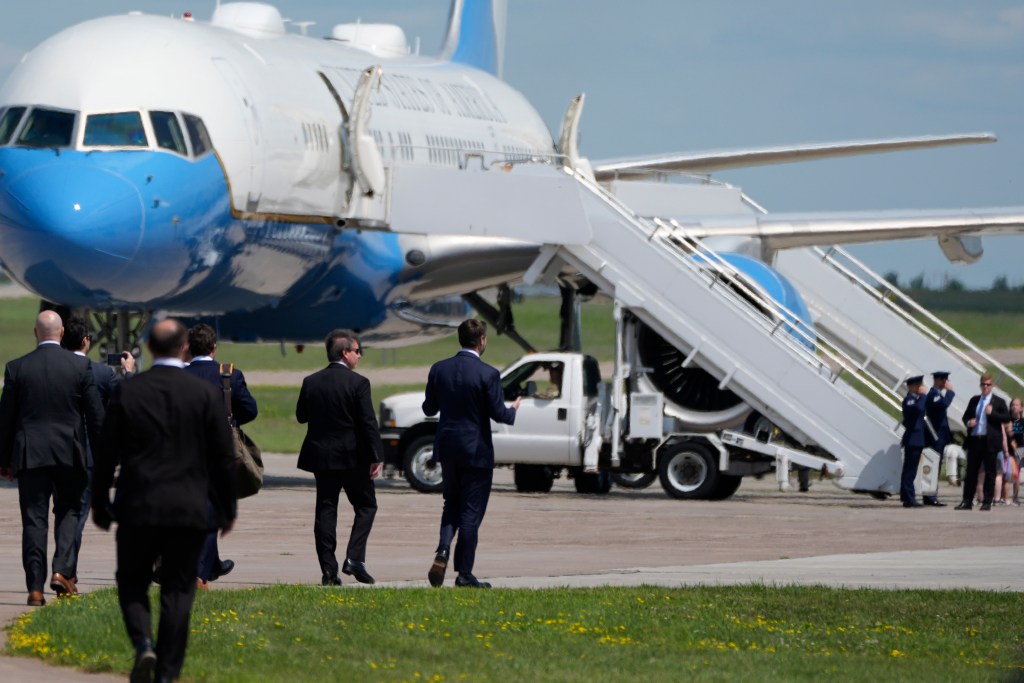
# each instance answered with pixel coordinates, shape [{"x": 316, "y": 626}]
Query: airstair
[
  {"x": 802, "y": 381},
  {"x": 884, "y": 330}
]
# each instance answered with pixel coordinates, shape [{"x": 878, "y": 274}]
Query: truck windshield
[
  {"x": 123, "y": 129},
  {"x": 47, "y": 128}
]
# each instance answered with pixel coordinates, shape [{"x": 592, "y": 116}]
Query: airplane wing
[
  {"x": 719, "y": 160},
  {"x": 958, "y": 232}
]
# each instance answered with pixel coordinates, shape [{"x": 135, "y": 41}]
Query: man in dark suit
[
  {"x": 984, "y": 418},
  {"x": 78, "y": 339},
  {"x": 913, "y": 440},
  {"x": 343, "y": 451},
  {"x": 169, "y": 433},
  {"x": 202, "y": 347},
  {"x": 939, "y": 398},
  {"x": 467, "y": 392},
  {"x": 48, "y": 405}
]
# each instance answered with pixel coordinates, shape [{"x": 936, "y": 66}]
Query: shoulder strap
[{"x": 225, "y": 385}]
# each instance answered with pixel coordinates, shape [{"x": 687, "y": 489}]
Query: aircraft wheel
[{"x": 421, "y": 470}]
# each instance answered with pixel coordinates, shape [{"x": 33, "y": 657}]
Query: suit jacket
[
  {"x": 48, "y": 406},
  {"x": 168, "y": 430},
  {"x": 913, "y": 420},
  {"x": 342, "y": 432},
  {"x": 935, "y": 409},
  {"x": 243, "y": 405},
  {"x": 467, "y": 393},
  {"x": 1000, "y": 414}
]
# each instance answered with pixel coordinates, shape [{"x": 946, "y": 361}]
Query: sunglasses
[
  {"x": 358, "y": 350},
  {"x": 986, "y": 384}
]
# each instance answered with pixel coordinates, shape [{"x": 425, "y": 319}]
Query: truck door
[{"x": 546, "y": 428}]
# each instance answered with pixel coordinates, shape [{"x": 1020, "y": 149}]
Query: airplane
[{"x": 235, "y": 171}]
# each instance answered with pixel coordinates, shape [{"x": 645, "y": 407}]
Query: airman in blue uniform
[
  {"x": 914, "y": 438},
  {"x": 939, "y": 398}
]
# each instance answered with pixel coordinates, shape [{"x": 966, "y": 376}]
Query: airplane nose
[{"x": 69, "y": 229}]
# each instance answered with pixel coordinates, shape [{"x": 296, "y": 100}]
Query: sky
[{"x": 690, "y": 76}]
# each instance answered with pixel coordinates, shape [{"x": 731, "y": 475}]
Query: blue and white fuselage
[{"x": 205, "y": 169}]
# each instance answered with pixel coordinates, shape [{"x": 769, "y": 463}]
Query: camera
[{"x": 115, "y": 358}]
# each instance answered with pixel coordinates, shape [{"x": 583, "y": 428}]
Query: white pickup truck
[{"x": 567, "y": 421}]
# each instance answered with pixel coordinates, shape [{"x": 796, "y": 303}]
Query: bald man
[{"x": 49, "y": 404}]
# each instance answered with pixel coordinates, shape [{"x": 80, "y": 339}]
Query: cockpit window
[
  {"x": 197, "y": 135},
  {"x": 123, "y": 129},
  {"x": 8, "y": 122},
  {"x": 168, "y": 132},
  {"x": 47, "y": 128}
]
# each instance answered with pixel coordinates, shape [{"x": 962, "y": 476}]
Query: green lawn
[{"x": 756, "y": 633}]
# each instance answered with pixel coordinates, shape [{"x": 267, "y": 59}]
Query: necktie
[{"x": 981, "y": 415}]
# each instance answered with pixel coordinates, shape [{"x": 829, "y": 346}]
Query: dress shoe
[
  {"x": 61, "y": 586},
  {"x": 986, "y": 506},
  {"x": 963, "y": 506},
  {"x": 912, "y": 504},
  {"x": 330, "y": 580},
  {"x": 932, "y": 502},
  {"x": 470, "y": 581},
  {"x": 436, "y": 574},
  {"x": 223, "y": 570},
  {"x": 36, "y": 599},
  {"x": 357, "y": 570},
  {"x": 145, "y": 662}
]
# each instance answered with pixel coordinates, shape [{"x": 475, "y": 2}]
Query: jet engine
[{"x": 692, "y": 394}]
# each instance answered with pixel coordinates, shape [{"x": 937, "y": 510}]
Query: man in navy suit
[
  {"x": 467, "y": 392},
  {"x": 913, "y": 438},
  {"x": 202, "y": 346},
  {"x": 78, "y": 339},
  {"x": 940, "y": 397}
]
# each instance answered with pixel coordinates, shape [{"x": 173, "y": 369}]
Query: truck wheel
[
  {"x": 421, "y": 471},
  {"x": 593, "y": 482},
  {"x": 727, "y": 485},
  {"x": 634, "y": 480},
  {"x": 534, "y": 478},
  {"x": 689, "y": 471}
]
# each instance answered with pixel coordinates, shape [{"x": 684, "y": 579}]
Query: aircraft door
[
  {"x": 543, "y": 432},
  {"x": 250, "y": 123}
]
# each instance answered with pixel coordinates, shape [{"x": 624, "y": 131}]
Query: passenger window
[
  {"x": 47, "y": 128},
  {"x": 115, "y": 130},
  {"x": 168, "y": 132},
  {"x": 197, "y": 135},
  {"x": 8, "y": 122}
]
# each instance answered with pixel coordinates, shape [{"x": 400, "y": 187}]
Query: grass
[
  {"x": 751, "y": 633},
  {"x": 275, "y": 429}
]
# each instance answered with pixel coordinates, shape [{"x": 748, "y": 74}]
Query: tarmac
[{"x": 826, "y": 537}]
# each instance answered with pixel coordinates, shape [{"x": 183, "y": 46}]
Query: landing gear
[{"x": 119, "y": 330}]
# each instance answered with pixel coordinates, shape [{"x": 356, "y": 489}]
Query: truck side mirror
[{"x": 530, "y": 390}]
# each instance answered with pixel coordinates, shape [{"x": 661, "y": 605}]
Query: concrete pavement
[{"x": 828, "y": 536}]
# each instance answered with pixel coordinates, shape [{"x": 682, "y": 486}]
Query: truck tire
[
  {"x": 534, "y": 478},
  {"x": 634, "y": 480},
  {"x": 593, "y": 482},
  {"x": 689, "y": 471},
  {"x": 421, "y": 470}
]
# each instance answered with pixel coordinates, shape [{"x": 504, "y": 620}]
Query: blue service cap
[
  {"x": 941, "y": 374},
  {"x": 916, "y": 379}
]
